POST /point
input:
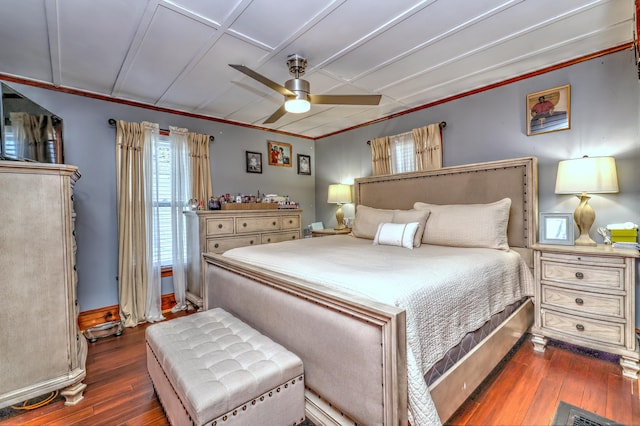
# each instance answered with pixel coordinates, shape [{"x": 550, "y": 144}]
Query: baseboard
[{"x": 98, "y": 316}]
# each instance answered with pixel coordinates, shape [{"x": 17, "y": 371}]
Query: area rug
[{"x": 569, "y": 415}]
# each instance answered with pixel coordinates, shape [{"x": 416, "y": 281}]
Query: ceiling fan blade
[
  {"x": 264, "y": 80},
  {"x": 276, "y": 115},
  {"x": 345, "y": 99}
]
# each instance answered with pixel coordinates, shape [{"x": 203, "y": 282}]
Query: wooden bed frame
[{"x": 354, "y": 350}]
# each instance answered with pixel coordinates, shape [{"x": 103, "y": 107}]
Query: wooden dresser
[
  {"x": 216, "y": 231},
  {"x": 586, "y": 296},
  {"x": 41, "y": 347}
]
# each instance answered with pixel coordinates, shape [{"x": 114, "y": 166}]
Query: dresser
[
  {"x": 41, "y": 347},
  {"x": 586, "y": 296},
  {"x": 216, "y": 231}
]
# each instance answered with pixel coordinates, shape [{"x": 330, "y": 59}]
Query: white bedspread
[{"x": 446, "y": 291}]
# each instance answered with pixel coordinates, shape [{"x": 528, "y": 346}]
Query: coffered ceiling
[{"x": 175, "y": 54}]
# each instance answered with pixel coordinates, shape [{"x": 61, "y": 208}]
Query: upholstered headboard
[{"x": 516, "y": 179}]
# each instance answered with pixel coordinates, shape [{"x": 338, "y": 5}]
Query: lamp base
[
  {"x": 339, "y": 218},
  {"x": 584, "y": 216}
]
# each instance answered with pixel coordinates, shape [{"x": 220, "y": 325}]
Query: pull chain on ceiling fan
[{"x": 297, "y": 92}]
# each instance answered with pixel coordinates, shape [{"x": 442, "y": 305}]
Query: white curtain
[
  {"x": 153, "y": 309},
  {"x": 402, "y": 156},
  {"x": 180, "y": 195}
]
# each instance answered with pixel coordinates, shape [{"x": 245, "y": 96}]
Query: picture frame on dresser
[{"x": 556, "y": 228}]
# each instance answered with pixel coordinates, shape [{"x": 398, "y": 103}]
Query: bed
[{"x": 353, "y": 342}]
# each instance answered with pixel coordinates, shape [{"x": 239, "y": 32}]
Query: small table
[{"x": 330, "y": 231}]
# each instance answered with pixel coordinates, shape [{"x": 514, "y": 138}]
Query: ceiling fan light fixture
[{"x": 297, "y": 106}]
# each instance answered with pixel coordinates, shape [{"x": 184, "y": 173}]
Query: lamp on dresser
[
  {"x": 593, "y": 175},
  {"x": 339, "y": 194}
]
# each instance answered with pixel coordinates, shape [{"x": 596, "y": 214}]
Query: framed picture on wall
[
  {"x": 549, "y": 110},
  {"x": 254, "y": 162},
  {"x": 279, "y": 154},
  {"x": 556, "y": 228},
  {"x": 304, "y": 164}
]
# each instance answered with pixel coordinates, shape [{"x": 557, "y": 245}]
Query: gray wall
[
  {"x": 89, "y": 143},
  {"x": 491, "y": 126}
]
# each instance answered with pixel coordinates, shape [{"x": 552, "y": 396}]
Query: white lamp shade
[
  {"x": 595, "y": 175},
  {"x": 297, "y": 106},
  {"x": 339, "y": 193}
]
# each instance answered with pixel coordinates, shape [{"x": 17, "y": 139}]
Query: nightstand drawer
[
  {"x": 219, "y": 226},
  {"x": 220, "y": 245},
  {"x": 584, "y": 275},
  {"x": 280, "y": 236},
  {"x": 257, "y": 224},
  {"x": 581, "y": 301},
  {"x": 583, "y": 328}
]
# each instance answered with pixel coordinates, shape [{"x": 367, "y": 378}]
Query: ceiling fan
[{"x": 296, "y": 91}]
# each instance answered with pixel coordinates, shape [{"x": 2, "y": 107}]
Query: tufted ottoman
[{"x": 211, "y": 368}]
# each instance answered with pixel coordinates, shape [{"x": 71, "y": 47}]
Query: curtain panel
[
  {"x": 380, "y": 156},
  {"x": 202, "y": 187},
  {"x": 428, "y": 147}
]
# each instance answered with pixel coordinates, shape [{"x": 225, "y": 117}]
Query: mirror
[{"x": 29, "y": 132}]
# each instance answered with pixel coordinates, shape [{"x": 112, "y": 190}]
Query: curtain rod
[
  {"x": 442, "y": 125},
  {"x": 112, "y": 123}
]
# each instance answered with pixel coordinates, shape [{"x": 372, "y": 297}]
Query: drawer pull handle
[
  {"x": 579, "y": 301},
  {"x": 579, "y": 275},
  {"x": 216, "y": 245},
  {"x": 219, "y": 226},
  {"x": 273, "y": 223},
  {"x": 290, "y": 221},
  {"x": 293, "y": 237},
  {"x": 579, "y": 327},
  {"x": 268, "y": 240},
  {"x": 251, "y": 242},
  {"x": 244, "y": 224}
]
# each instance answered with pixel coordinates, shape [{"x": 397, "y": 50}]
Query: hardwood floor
[{"x": 526, "y": 389}]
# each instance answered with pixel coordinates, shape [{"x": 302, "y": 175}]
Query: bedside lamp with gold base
[
  {"x": 339, "y": 194},
  {"x": 594, "y": 175}
]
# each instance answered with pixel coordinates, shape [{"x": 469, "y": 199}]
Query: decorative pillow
[
  {"x": 365, "y": 224},
  {"x": 467, "y": 225},
  {"x": 408, "y": 216},
  {"x": 396, "y": 234}
]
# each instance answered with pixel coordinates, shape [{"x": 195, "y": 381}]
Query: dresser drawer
[
  {"x": 219, "y": 226},
  {"x": 220, "y": 245},
  {"x": 584, "y": 275},
  {"x": 583, "y": 328},
  {"x": 257, "y": 224},
  {"x": 581, "y": 301},
  {"x": 280, "y": 236},
  {"x": 290, "y": 222}
]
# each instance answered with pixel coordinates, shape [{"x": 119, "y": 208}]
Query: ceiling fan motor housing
[
  {"x": 297, "y": 65},
  {"x": 298, "y": 86}
]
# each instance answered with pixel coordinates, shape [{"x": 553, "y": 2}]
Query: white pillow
[
  {"x": 467, "y": 225},
  {"x": 396, "y": 234}
]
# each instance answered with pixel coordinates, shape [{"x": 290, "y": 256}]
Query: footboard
[{"x": 353, "y": 350}]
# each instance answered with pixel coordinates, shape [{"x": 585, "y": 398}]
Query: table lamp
[
  {"x": 595, "y": 175},
  {"x": 339, "y": 193}
]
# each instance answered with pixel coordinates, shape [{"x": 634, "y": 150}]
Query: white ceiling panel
[
  {"x": 175, "y": 53},
  {"x": 170, "y": 41}
]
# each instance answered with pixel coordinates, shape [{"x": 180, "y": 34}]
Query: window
[
  {"x": 402, "y": 153},
  {"x": 163, "y": 184},
  {"x": 10, "y": 149}
]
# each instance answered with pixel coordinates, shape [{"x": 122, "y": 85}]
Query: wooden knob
[
  {"x": 273, "y": 223},
  {"x": 293, "y": 237},
  {"x": 579, "y": 275},
  {"x": 268, "y": 240},
  {"x": 217, "y": 245},
  {"x": 244, "y": 224},
  {"x": 219, "y": 226},
  {"x": 579, "y": 327},
  {"x": 290, "y": 221},
  {"x": 251, "y": 242},
  {"x": 579, "y": 301}
]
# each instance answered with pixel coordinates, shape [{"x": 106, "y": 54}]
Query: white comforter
[{"x": 446, "y": 291}]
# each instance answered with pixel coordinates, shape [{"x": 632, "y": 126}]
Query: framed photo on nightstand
[{"x": 556, "y": 228}]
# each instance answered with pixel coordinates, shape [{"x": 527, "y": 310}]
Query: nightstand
[
  {"x": 330, "y": 231},
  {"x": 586, "y": 296}
]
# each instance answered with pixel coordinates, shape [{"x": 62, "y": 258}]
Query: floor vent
[{"x": 569, "y": 415}]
